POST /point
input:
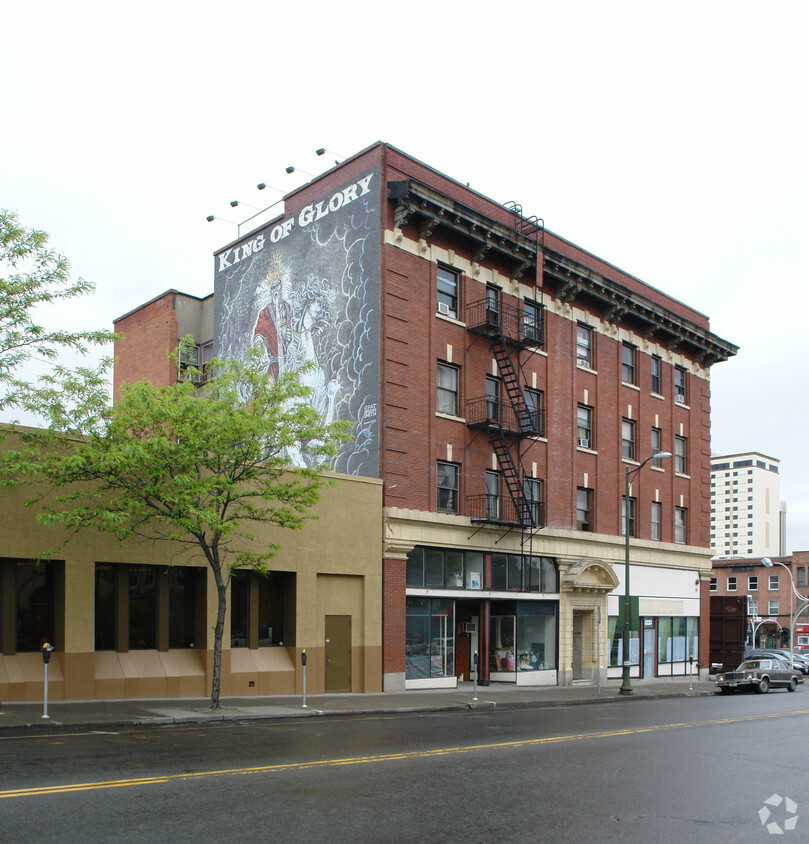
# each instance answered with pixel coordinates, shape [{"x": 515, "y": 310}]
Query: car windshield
[{"x": 754, "y": 664}]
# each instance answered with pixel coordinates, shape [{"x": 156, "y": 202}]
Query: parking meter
[
  {"x": 303, "y": 663},
  {"x": 47, "y": 650}
]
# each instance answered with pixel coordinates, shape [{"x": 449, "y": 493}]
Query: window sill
[
  {"x": 453, "y": 320},
  {"x": 586, "y": 450},
  {"x": 631, "y": 386},
  {"x": 682, "y": 475},
  {"x": 450, "y": 417},
  {"x": 586, "y": 367},
  {"x": 658, "y": 396}
]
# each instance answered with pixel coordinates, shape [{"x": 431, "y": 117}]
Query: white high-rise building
[{"x": 748, "y": 519}]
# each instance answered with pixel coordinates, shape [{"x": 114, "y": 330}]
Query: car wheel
[
  {"x": 763, "y": 686},
  {"x": 793, "y": 684}
]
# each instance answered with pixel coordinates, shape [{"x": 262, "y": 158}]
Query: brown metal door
[{"x": 338, "y": 653}]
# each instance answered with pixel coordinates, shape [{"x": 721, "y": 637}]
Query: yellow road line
[{"x": 386, "y": 757}]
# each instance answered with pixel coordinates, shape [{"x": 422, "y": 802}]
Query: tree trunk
[{"x": 221, "y": 591}]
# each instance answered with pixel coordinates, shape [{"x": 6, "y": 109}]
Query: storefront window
[
  {"x": 692, "y": 634},
  {"x": 142, "y": 608},
  {"x": 433, "y": 568},
  {"x": 454, "y": 570},
  {"x": 522, "y": 636},
  {"x": 105, "y": 604},
  {"x": 415, "y": 567},
  {"x": 474, "y": 570},
  {"x": 663, "y": 640},
  {"x": 429, "y": 638},
  {"x": 436, "y": 568},
  {"x": 35, "y": 605}
]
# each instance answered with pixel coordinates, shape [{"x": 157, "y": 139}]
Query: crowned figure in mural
[{"x": 290, "y": 319}]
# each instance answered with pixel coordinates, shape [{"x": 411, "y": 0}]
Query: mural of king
[{"x": 305, "y": 290}]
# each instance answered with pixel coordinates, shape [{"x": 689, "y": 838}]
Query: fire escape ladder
[
  {"x": 511, "y": 381},
  {"x": 511, "y": 475}
]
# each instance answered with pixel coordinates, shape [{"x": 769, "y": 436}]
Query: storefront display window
[
  {"x": 522, "y": 637},
  {"x": 429, "y": 638}
]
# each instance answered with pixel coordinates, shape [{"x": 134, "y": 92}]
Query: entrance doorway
[
  {"x": 338, "y": 653},
  {"x": 578, "y": 625},
  {"x": 649, "y": 640}
]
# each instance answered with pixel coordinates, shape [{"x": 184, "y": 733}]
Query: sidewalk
[{"x": 101, "y": 715}]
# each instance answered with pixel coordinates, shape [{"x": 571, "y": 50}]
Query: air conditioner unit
[
  {"x": 191, "y": 375},
  {"x": 443, "y": 308},
  {"x": 584, "y": 442},
  {"x": 583, "y": 362},
  {"x": 468, "y": 627},
  {"x": 679, "y": 398}
]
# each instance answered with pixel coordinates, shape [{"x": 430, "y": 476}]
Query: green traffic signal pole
[{"x": 626, "y": 685}]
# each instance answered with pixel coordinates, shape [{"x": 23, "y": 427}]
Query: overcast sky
[{"x": 668, "y": 138}]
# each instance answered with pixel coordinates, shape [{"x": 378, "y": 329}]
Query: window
[
  {"x": 679, "y": 385},
  {"x": 492, "y": 495},
  {"x": 657, "y": 369},
  {"x": 731, "y": 584},
  {"x": 680, "y": 525},
  {"x": 447, "y": 482},
  {"x": 429, "y": 639},
  {"x": 680, "y": 455},
  {"x": 533, "y": 322},
  {"x": 584, "y": 426},
  {"x": 536, "y": 411},
  {"x": 656, "y": 516},
  {"x": 628, "y": 439},
  {"x": 753, "y": 607},
  {"x": 257, "y": 608},
  {"x": 628, "y": 363},
  {"x": 447, "y": 292},
  {"x": 438, "y": 568},
  {"x": 628, "y": 515},
  {"x": 774, "y": 583},
  {"x": 492, "y": 398},
  {"x": 752, "y": 583},
  {"x": 144, "y": 607},
  {"x": 801, "y": 576},
  {"x": 657, "y": 445},
  {"x": 447, "y": 397},
  {"x": 492, "y": 305},
  {"x": 532, "y": 490},
  {"x": 713, "y": 585},
  {"x": 30, "y": 593},
  {"x": 772, "y": 608},
  {"x": 584, "y": 345},
  {"x": 584, "y": 509}
]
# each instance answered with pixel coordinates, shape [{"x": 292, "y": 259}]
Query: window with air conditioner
[
  {"x": 584, "y": 346},
  {"x": 447, "y": 292},
  {"x": 584, "y": 426}
]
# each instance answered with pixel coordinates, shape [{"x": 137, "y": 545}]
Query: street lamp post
[
  {"x": 768, "y": 563},
  {"x": 626, "y": 685}
]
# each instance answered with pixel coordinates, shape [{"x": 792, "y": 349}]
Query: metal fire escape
[{"x": 507, "y": 330}]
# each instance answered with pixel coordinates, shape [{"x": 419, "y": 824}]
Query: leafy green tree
[
  {"x": 32, "y": 276},
  {"x": 201, "y": 467}
]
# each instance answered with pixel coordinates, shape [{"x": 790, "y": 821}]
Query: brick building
[
  {"x": 500, "y": 380},
  {"x": 769, "y": 595}
]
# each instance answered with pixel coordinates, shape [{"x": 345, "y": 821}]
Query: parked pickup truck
[{"x": 761, "y": 675}]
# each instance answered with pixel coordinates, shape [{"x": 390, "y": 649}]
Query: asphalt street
[{"x": 664, "y": 770}]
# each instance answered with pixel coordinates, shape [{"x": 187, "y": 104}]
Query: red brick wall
[
  {"x": 145, "y": 336},
  {"x": 393, "y": 616}
]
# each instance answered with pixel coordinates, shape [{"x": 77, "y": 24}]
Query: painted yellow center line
[{"x": 386, "y": 757}]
